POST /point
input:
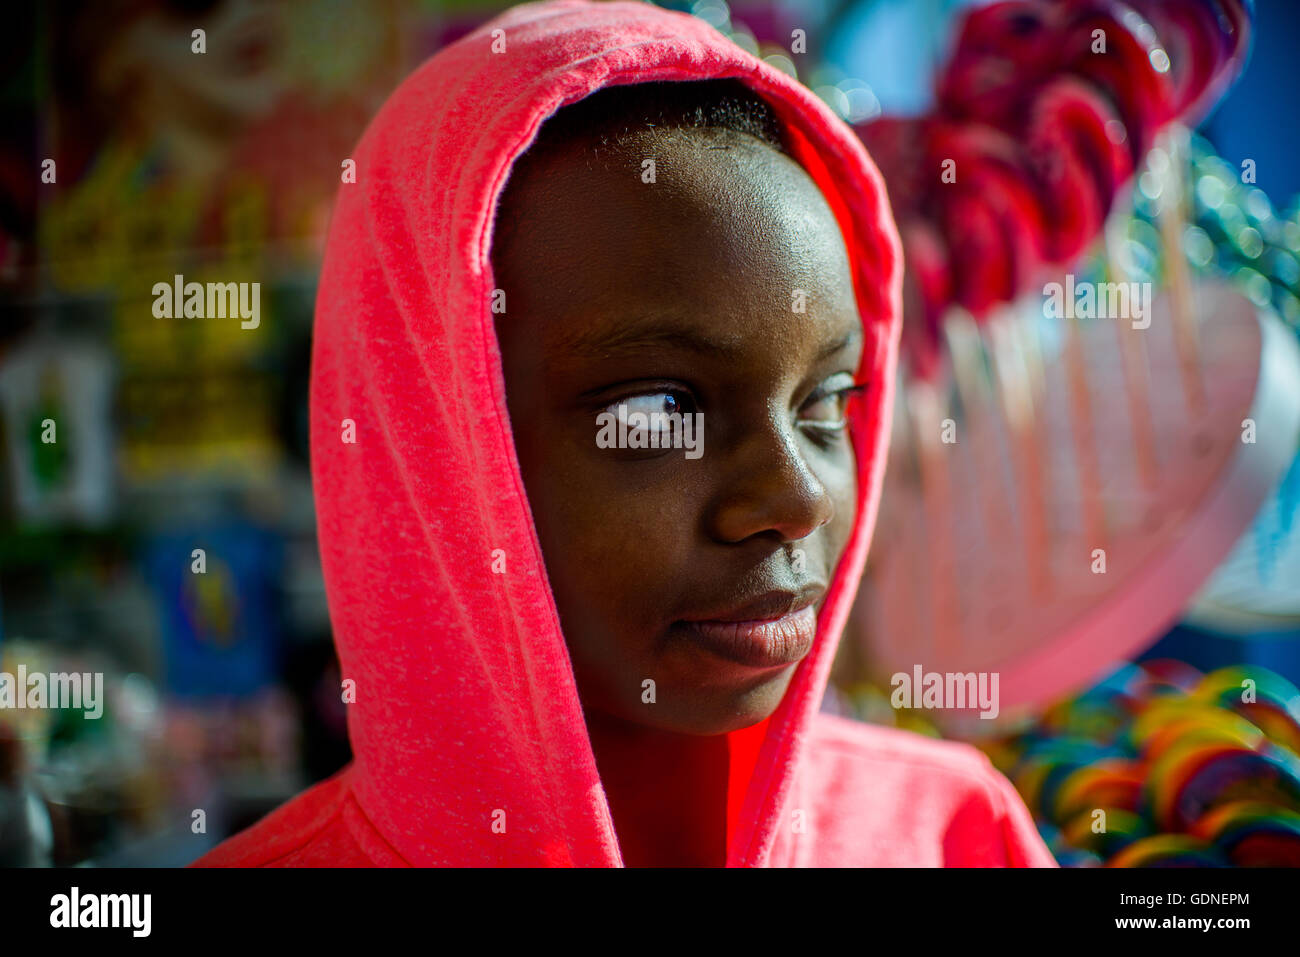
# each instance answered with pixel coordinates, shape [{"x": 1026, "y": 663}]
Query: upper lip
[{"x": 768, "y": 606}]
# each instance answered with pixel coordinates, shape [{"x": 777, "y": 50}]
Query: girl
[{"x": 559, "y": 652}]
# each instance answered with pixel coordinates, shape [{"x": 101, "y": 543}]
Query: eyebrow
[
  {"x": 850, "y": 338},
  {"x": 631, "y": 339}
]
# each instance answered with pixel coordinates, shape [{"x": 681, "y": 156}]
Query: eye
[
  {"x": 657, "y": 419},
  {"x": 825, "y": 409},
  {"x": 649, "y": 403}
]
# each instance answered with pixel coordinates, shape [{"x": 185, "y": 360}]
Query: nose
[{"x": 772, "y": 491}]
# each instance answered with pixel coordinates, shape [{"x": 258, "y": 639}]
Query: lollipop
[
  {"x": 1206, "y": 41},
  {"x": 1253, "y": 833},
  {"x": 1084, "y": 160},
  {"x": 1103, "y": 712},
  {"x": 1114, "y": 783},
  {"x": 1100, "y": 719},
  {"x": 1166, "y": 724},
  {"x": 1122, "y": 828},
  {"x": 1264, "y": 697},
  {"x": 898, "y": 146},
  {"x": 1002, "y": 52},
  {"x": 982, "y": 271},
  {"x": 1132, "y": 72},
  {"x": 1169, "y": 850},
  {"x": 1169, "y": 675},
  {"x": 927, "y": 289},
  {"x": 1070, "y": 857},
  {"x": 993, "y": 203},
  {"x": 1047, "y": 763},
  {"x": 1029, "y": 778},
  {"x": 1193, "y": 776},
  {"x": 1183, "y": 776},
  {"x": 1065, "y": 851}
]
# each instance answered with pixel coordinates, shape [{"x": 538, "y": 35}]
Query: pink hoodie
[{"x": 469, "y": 741}]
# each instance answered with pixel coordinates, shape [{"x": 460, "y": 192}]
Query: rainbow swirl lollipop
[
  {"x": 1114, "y": 783},
  {"x": 1097, "y": 719},
  {"x": 1046, "y": 765},
  {"x": 1194, "y": 776},
  {"x": 1264, "y": 697},
  {"x": 1102, "y": 712},
  {"x": 1174, "y": 721},
  {"x": 1122, "y": 828},
  {"x": 1169, "y": 850},
  {"x": 1073, "y": 857},
  {"x": 1253, "y": 833}
]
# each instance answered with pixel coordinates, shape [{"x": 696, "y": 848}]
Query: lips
[{"x": 774, "y": 631}]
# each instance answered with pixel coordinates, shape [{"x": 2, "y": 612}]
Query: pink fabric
[{"x": 466, "y": 710}]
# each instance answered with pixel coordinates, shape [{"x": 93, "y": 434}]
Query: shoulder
[
  {"x": 849, "y": 758},
  {"x": 894, "y": 797},
  {"x": 311, "y": 829},
  {"x": 836, "y": 738}
]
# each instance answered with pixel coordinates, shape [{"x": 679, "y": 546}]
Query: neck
[{"x": 667, "y": 792}]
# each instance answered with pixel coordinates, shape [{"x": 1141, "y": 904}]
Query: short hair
[{"x": 613, "y": 114}]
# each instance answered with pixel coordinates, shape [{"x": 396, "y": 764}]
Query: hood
[{"x": 466, "y": 719}]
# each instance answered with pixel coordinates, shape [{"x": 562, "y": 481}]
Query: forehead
[{"x": 721, "y": 226}]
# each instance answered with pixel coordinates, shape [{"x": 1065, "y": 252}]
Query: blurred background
[{"x": 127, "y": 158}]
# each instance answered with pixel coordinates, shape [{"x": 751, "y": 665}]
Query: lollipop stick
[
  {"x": 972, "y": 388},
  {"x": 1026, "y": 327},
  {"x": 1133, "y": 362},
  {"x": 1027, "y": 335},
  {"x": 904, "y": 568},
  {"x": 1083, "y": 434},
  {"x": 934, "y": 461},
  {"x": 1164, "y": 161},
  {"x": 1014, "y": 390}
]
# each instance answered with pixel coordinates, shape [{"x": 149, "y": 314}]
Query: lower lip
[{"x": 772, "y": 643}]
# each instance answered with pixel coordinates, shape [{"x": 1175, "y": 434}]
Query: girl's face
[{"x": 721, "y": 288}]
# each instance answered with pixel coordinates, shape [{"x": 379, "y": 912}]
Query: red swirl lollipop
[
  {"x": 1207, "y": 42},
  {"x": 1079, "y": 143},
  {"x": 927, "y": 290},
  {"x": 1132, "y": 69},
  {"x": 1003, "y": 52}
]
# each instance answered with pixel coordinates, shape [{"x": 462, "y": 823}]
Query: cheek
[
  {"x": 613, "y": 534},
  {"x": 614, "y": 547}
]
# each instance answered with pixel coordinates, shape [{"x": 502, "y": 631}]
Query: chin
[{"x": 716, "y": 713}]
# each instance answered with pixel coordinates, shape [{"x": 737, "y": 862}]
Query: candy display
[
  {"x": 1056, "y": 155},
  {"x": 1145, "y": 771}
]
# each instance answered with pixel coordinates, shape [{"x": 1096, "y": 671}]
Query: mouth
[{"x": 774, "y": 631}]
